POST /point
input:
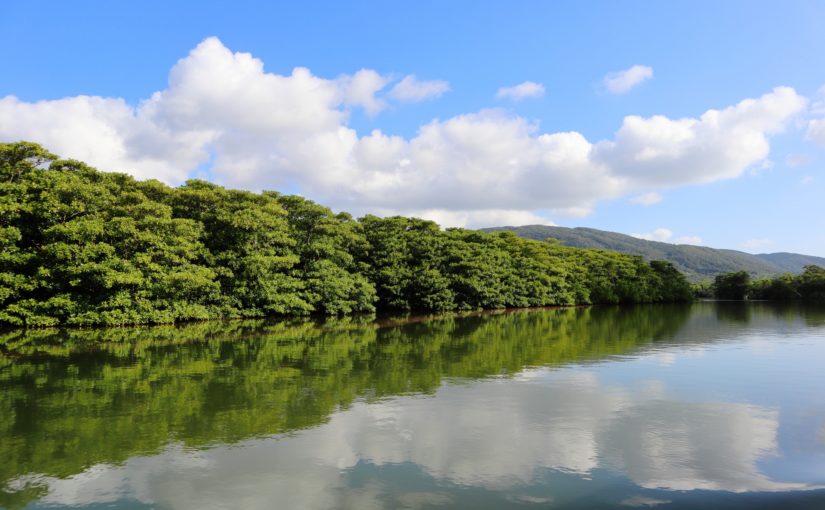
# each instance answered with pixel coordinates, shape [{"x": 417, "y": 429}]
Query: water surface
[{"x": 604, "y": 407}]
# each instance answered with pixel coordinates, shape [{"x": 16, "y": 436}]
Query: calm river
[{"x": 718, "y": 405}]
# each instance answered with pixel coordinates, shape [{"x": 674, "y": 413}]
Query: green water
[{"x": 666, "y": 406}]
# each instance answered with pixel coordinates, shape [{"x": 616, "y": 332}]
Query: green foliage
[
  {"x": 672, "y": 285},
  {"x": 732, "y": 285},
  {"x": 781, "y": 288},
  {"x": 811, "y": 284},
  {"x": 806, "y": 287},
  {"x": 333, "y": 282},
  {"x": 82, "y": 248},
  {"x": 417, "y": 266},
  {"x": 702, "y": 290}
]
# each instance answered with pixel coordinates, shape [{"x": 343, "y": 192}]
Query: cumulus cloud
[
  {"x": 816, "y": 131},
  {"x": 818, "y": 106},
  {"x": 410, "y": 89},
  {"x": 260, "y": 130},
  {"x": 480, "y": 219},
  {"x": 816, "y": 126},
  {"x": 647, "y": 198},
  {"x": 664, "y": 235},
  {"x": 105, "y": 132},
  {"x": 720, "y": 144},
  {"x": 756, "y": 244},
  {"x": 660, "y": 234},
  {"x": 360, "y": 89},
  {"x": 620, "y": 82},
  {"x": 521, "y": 91}
]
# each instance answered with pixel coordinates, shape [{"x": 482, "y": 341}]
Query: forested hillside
[
  {"x": 83, "y": 247},
  {"x": 791, "y": 262},
  {"x": 698, "y": 263}
]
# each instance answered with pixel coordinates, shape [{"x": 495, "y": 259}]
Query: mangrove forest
[{"x": 81, "y": 247}]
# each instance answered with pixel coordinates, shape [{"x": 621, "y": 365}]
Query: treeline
[
  {"x": 83, "y": 247},
  {"x": 809, "y": 286}
]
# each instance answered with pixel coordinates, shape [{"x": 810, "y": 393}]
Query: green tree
[
  {"x": 811, "y": 284},
  {"x": 83, "y": 247},
  {"x": 781, "y": 288},
  {"x": 325, "y": 243},
  {"x": 732, "y": 285},
  {"x": 249, "y": 248}
]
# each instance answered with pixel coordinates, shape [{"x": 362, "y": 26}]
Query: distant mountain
[
  {"x": 791, "y": 262},
  {"x": 697, "y": 262}
]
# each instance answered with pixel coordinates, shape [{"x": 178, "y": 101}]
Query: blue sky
[{"x": 403, "y": 108}]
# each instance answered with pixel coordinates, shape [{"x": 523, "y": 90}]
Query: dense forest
[
  {"x": 808, "y": 286},
  {"x": 83, "y": 247}
]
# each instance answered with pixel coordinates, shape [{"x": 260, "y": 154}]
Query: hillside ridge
[{"x": 697, "y": 262}]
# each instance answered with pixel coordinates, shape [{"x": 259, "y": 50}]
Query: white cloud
[
  {"x": 816, "y": 126},
  {"x": 660, "y": 234},
  {"x": 579, "y": 211},
  {"x": 411, "y": 90},
  {"x": 521, "y": 91},
  {"x": 360, "y": 89},
  {"x": 665, "y": 235},
  {"x": 647, "y": 198},
  {"x": 480, "y": 219},
  {"x": 620, "y": 82},
  {"x": 816, "y": 131},
  {"x": 104, "y": 132},
  {"x": 818, "y": 106},
  {"x": 720, "y": 144},
  {"x": 260, "y": 130},
  {"x": 808, "y": 179},
  {"x": 756, "y": 244}
]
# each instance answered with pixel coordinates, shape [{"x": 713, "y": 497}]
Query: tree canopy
[
  {"x": 82, "y": 247},
  {"x": 806, "y": 287}
]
